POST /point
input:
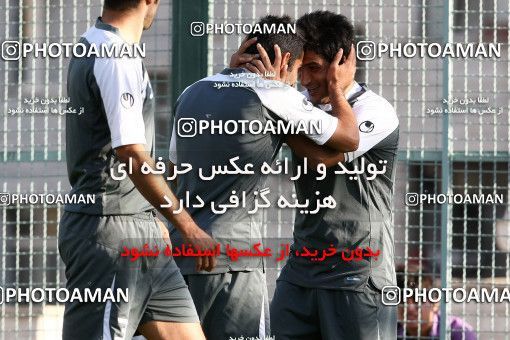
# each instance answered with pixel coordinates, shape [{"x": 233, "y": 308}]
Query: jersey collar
[
  {"x": 354, "y": 89},
  {"x": 106, "y": 27}
]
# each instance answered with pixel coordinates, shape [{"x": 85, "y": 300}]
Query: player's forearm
[
  {"x": 346, "y": 136},
  {"x": 154, "y": 189},
  {"x": 315, "y": 154},
  {"x": 171, "y": 169}
]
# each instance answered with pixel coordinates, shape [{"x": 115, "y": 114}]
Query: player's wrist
[
  {"x": 336, "y": 88},
  {"x": 336, "y": 93},
  {"x": 191, "y": 231},
  {"x": 181, "y": 221}
]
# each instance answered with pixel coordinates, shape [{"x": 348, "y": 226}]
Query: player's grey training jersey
[
  {"x": 204, "y": 101},
  {"x": 118, "y": 107},
  {"x": 362, "y": 216}
]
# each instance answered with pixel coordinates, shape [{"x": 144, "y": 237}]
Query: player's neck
[
  {"x": 348, "y": 89},
  {"x": 129, "y": 24},
  {"x": 326, "y": 100}
]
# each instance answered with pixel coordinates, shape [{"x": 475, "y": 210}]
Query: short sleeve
[
  {"x": 292, "y": 106},
  {"x": 376, "y": 120},
  {"x": 120, "y": 82}
]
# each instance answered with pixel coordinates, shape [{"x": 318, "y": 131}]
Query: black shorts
[
  {"x": 301, "y": 313},
  {"x": 91, "y": 247},
  {"x": 231, "y": 305}
]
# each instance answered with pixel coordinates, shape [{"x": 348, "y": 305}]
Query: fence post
[
  {"x": 445, "y": 175},
  {"x": 189, "y": 53}
]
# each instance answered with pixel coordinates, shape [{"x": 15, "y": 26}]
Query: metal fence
[{"x": 459, "y": 245}]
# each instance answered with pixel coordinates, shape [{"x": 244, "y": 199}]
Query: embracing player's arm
[
  {"x": 377, "y": 120},
  {"x": 382, "y": 121},
  {"x": 339, "y": 130},
  {"x": 346, "y": 143},
  {"x": 120, "y": 81},
  {"x": 346, "y": 136}
]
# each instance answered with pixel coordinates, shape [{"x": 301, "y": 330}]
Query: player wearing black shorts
[
  {"x": 117, "y": 126},
  {"x": 338, "y": 297},
  {"x": 232, "y": 301}
]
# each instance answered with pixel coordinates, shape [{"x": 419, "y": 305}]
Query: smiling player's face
[{"x": 313, "y": 77}]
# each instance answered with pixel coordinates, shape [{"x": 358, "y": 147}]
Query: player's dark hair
[
  {"x": 413, "y": 277},
  {"x": 288, "y": 41},
  {"x": 325, "y": 33},
  {"x": 121, "y": 5}
]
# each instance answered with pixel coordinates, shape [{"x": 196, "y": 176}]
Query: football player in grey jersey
[
  {"x": 117, "y": 126},
  {"x": 340, "y": 298},
  {"x": 232, "y": 301}
]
